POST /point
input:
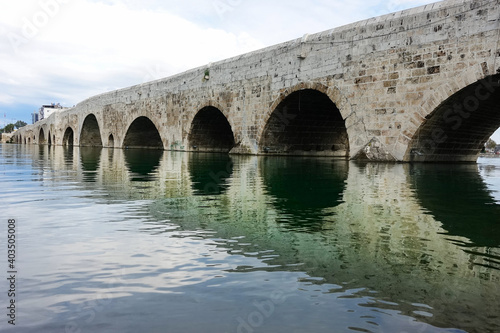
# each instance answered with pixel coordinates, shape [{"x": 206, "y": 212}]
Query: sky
[{"x": 64, "y": 51}]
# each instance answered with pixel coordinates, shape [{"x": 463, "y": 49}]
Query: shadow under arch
[
  {"x": 457, "y": 196},
  {"x": 306, "y": 122},
  {"x": 457, "y": 130},
  {"x": 90, "y": 135},
  {"x": 142, "y": 163},
  {"x": 41, "y": 137},
  {"x": 302, "y": 187},
  {"x": 211, "y": 132},
  {"x": 210, "y": 173},
  {"x": 111, "y": 141},
  {"x": 49, "y": 139},
  {"x": 142, "y": 133},
  {"x": 68, "y": 138}
]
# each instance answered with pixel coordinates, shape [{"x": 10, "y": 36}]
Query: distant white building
[{"x": 46, "y": 110}]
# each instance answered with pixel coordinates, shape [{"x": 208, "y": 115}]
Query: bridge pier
[{"x": 245, "y": 147}]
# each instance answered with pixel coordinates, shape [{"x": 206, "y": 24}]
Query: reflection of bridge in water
[
  {"x": 457, "y": 196},
  {"x": 373, "y": 227}
]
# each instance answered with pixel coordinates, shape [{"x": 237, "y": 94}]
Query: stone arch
[
  {"x": 41, "y": 137},
  {"x": 90, "y": 135},
  {"x": 210, "y": 131},
  {"x": 331, "y": 91},
  {"x": 305, "y": 121},
  {"x": 69, "y": 137},
  {"x": 143, "y": 133},
  {"x": 458, "y": 127},
  {"x": 111, "y": 141}
]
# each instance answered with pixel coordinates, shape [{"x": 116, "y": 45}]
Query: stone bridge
[{"x": 417, "y": 85}]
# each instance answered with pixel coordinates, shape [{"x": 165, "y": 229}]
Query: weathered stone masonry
[{"x": 417, "y": 85}]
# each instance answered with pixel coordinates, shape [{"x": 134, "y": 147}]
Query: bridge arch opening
[
  {"x": 49, "y": 139},
  {"x": 143, "y": 133},
  {"x": 211, "y": 132},
  {"x": 458, "y": 129},
  {"x": 68, "y": 138},
  {"x": 306, "y": 122},
  {"x": 90, "y": 135},
  {"x": 41, "y": 137},
  {"x": 111, "y": 141}
]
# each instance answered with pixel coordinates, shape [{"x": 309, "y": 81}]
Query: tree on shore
[
  {"x": 9, "y": 128},
  {"x": 20, "y": 124},
  {"x": 491, "y": 144}
]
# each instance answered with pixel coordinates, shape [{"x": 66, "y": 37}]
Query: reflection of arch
[
  {"x": 68, "y": 138},
  {"x": 142, "y": 133},
  {"x": 306, "y": 122},
  {"x": 41, "y": 137},
  {"x": 468, "y": 210},
  {"x": 90, "y": 158},
  {"x": 68, "y": 154},
  {"x": 211, "y": 131},
  {"x": 143, "y": 163},
  {"x": 458, "y": 128},
  {"x": 111, "y": 141},
  {"x": 90, "y": 135},
  {"x": 209, "y": 173},
  {"x": 303, "y": 187}
]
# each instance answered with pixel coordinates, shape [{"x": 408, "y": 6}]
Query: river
[{"x": 111, "y": 240}]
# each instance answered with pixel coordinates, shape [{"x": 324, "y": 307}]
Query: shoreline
[{"x": 489, "y": 155}]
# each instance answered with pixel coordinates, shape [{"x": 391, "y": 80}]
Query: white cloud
[{"x": 6, "y": 99}]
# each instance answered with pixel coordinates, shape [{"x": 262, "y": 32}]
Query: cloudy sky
[{"x": 64, "y": 51}]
